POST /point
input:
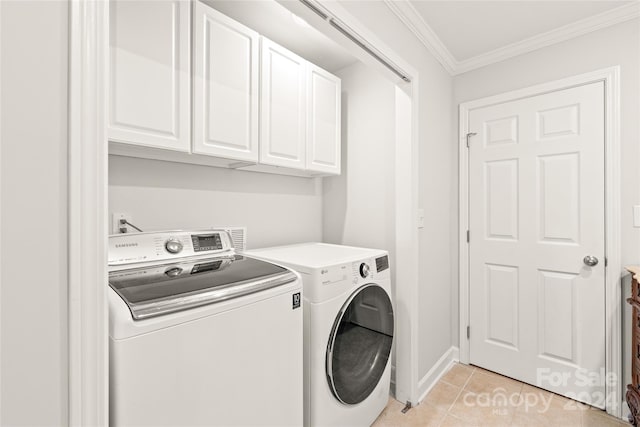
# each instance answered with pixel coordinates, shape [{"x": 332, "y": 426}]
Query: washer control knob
[
  {"x": 173, "y": 246},
  {"x": 364, "y": 270}
]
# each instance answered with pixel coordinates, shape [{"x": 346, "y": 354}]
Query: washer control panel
[
  {"x": 131, "y": 248},
  {"x": 209, "y": 242}
]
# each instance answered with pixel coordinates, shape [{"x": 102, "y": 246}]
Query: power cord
[{"x": 123, "y": 226}]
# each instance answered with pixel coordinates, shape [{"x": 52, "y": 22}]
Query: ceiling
[
  {"x": 469, "y": 34},
  {"x": 275, "y": 22},
  {"x": 461, "y": 34},
  {"x": 471, "y": 28}
]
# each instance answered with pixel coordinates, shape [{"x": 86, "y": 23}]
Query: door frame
[
  {"x": 613, "y": 270},
  {"x": 88, "y": 322},
  {"x": 88, "y": 391}
]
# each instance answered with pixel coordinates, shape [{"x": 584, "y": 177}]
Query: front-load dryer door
[{"x": 360, "y": 344}]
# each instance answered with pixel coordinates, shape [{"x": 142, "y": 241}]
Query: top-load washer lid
[{"x": 161, "y": 289}]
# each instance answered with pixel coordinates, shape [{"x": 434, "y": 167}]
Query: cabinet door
[
  {"x": 225, "y": 89},
  {"x": 149, "y": 73},
  {"x": 323, "y": 121},
  {"x": 283, "y": 98}
]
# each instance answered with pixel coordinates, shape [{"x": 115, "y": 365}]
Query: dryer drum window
[{"x": 360, "y": 344}]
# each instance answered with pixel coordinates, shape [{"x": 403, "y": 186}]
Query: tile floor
[{"x": 469, "y": 396}]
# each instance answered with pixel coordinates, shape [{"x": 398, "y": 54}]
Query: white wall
[
  {"x": 358, "y": 204},
  {"x": 616, "y": 45},
  {"x": 159, "y": 195},
  {"x": 33, "y": 214},
  {"x": 436, "y": 187}
]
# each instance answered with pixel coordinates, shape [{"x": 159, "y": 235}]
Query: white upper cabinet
[
  {"x": 247, "y": 103},
  {"x": 323, "y": 121},
  {"x": 283, "y": 107},
  {"x": 149, "y": 94},
  {"x": 225, "y": 86}
]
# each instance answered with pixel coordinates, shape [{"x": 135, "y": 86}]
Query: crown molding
[
  {"x": 560, "y": 34},
  {"x": 412, "y": 19}
]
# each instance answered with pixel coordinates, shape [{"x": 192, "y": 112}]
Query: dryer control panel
[
  {"x": 368, "y": 269},
  {"x": 126, "y": 249},
  {"x": 382, "y": 263}
]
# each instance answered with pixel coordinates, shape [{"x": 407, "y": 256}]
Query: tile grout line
[
  {"x": 513, "y": 415},
  {"x": 448, "y": 412}
]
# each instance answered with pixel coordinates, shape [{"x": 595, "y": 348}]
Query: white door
[
  {"x": 149, "y": 70},
  {"x": 225, "y": 87},
  {"x": 283, "y": 100},
  {"x": 536, "y": 200},
  {"x": 323, "y": 121}
]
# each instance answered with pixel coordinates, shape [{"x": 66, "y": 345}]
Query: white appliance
[
  {"x": 200, "y": 335},
  {"x": 348, "y": 330}
]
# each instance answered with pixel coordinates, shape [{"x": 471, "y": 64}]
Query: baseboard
[
  {"x": 451, "y": 356},
  {"x": 443, "y": 364}
]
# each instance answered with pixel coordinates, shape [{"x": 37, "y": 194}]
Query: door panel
[
  {"x": 283, "y": 114},
  {"x": 558, "y": 198},
  {"x": 323, "y": 121},
  {"x": 501, "y": 131},
  {"x": 502, "y": 199},
  {"x": 149, "y": 73},
  {"x": 557, "y": 315},
  {"x": 225, "y": 90},
  {"x": 536, "y": 209},
  {"x": 502, "y": 304}
]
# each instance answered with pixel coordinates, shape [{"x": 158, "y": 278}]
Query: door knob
[{"x": 590, "y": 260}]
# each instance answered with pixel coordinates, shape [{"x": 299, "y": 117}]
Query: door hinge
[
  {"x": 606, "y": 261},
  {"x": 468, "y": 332},
  {"x": 469, "y": 135},
  {"x": 468, "y": 236}
]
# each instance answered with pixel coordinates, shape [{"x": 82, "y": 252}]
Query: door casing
[
  {"x": 613, "y": 326},
  {"x": 88, "y": 153}
]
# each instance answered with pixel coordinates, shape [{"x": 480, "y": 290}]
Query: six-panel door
[
  {"x": 149, "y": 100},
  {"x": 536, "y": 202}
]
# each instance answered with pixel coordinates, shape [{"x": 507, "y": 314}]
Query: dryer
[{"x": 348, "y": 330}]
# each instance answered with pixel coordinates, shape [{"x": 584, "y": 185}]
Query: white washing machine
[
  {"x": 200, "y": 335},
  {"x": 348, "y": 330}
]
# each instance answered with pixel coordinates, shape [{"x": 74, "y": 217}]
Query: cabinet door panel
[
  {"x": 225, "y": 86},
  {"x": 323, "y": 121},
  {"x": 149, "y": 73},
  {"x": 283, "y": 98}
]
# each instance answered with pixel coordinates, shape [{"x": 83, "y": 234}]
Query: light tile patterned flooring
[{"x": 469, "y": 396}]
